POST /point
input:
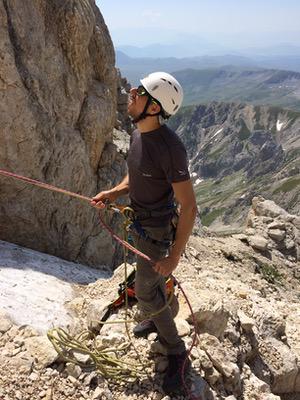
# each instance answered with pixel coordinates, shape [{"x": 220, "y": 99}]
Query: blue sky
[{"x": 252, "y": 22}]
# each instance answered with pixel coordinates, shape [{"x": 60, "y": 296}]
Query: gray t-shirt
[{"x": 156, "y": 159}]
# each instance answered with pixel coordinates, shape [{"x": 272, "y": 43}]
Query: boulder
[
  {"x": 209, "y": 311},
  {"x": 267, "y": 208},
  {"x": 281, "y": 363},
  {"x": 221, "y": 361},
  {"x": 42, "y": 350},
  {"x": 269, "y": 321},
  {"x": 255, "y": 388},
  {"x": 258, "y": 242},
  {"x": 247, "y": 323},
  {"x": 277, "y": 234},
  {"x": 182, "y": 326}
]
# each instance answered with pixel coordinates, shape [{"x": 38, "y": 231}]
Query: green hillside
[{"x": 270, "y": 87}]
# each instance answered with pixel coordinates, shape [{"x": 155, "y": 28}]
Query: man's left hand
[{"x": 166, "y": 266}]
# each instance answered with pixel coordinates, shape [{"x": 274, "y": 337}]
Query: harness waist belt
[{"x": 145, "y": 214}]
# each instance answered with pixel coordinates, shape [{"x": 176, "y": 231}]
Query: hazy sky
[{"x": 254, "y": 22}]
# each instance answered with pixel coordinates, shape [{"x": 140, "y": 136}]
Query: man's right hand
[{"x": 107, "y": 196}]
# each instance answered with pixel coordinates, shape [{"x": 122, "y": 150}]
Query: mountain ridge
[
  {"x": 237, "y": 151},
  {"x": 133, "y": 67}
]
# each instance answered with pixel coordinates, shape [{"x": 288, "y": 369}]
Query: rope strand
[{"x": 64, "y": 343}]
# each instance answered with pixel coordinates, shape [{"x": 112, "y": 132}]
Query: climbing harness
[{"x": 101, "y": 358}]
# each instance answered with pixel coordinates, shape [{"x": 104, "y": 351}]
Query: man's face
[{"x": 137, "y": 101}]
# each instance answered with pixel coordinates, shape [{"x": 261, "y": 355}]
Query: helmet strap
[{"x": 144, "y": 113}]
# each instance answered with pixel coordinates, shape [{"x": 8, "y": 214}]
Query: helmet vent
[
  {"x": 154, "y": 87},
  {"x": 175, "y": 108},
  {"x": 170, "y": 83},
  {"x": 173, "y": 101},
  {"x": 176, "y": 89},
  {"x": 163, "y": 79}
]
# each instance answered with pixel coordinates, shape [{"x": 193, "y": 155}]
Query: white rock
[
  {"x": 73, "y": 370},
  {"x": 276, "y": 234},
  {"x": 258, "y": 242},
  {"x": 208, "y": 308},
  {"x": 219, "y": 357},
  {"x": 277, "y": 224},
  {"x": 22, "y": 362},
  {"x": 5, "y": 325},
  {"x": 152, "y": 336},
  {"x": 289, "y": 243},
  {"x": 182, "y": 326},
  {"x": 282, "y": 364},
  {"x": 95, "y": 312},
  {"x": 98, "y": 393},
  {"x": 41, "y": 348},
  {"x": 117, "y": 327},
  {"x": 5, "y": 321},
  {"x": 81, "y": 357},
  {"x": 113, "y": 339},
  {"x": 247, "y": 323},
  {"x": 267, "y": 208}
]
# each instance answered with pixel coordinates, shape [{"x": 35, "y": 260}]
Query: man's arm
[
  {"x": 111, "y": 195},
  {"x": 185, "y": 196}
]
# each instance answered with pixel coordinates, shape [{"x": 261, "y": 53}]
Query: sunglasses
[{"x": 141, "y": 91}]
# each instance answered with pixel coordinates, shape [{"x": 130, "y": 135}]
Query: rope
[
  {"x": 79, "y": 197},
  {"x": 101, "y": 360}
]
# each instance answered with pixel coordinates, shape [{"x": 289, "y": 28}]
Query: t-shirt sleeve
[
  {"x": 132, "y": 137},
  {"x": 175, "y": 164}
]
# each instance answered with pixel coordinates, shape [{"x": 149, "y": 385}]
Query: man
[{"x": 157, "y": 175}]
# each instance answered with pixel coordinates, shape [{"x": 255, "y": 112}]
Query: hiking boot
[
  {"x": 144, "y": 328},
  {"x": 175, "y": 375}
]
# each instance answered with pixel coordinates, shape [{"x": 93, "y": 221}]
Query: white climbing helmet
[{"x": 166, "y": 89}]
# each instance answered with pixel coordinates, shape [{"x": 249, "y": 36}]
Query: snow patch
[
  {"x": 34, "y": 287},
  {"x": 279, "y": 125},
  {"x": 219, "y": 131}
]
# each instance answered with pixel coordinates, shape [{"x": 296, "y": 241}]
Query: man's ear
[{"x": 154, "y": 108}]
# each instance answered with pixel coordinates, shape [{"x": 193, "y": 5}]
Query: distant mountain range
[
  {"x": 191, "y": 46},
  {"x": 223, "y": 78},
  {"x": 255, "y": 86},
  {"x": 135, "y": 67}
]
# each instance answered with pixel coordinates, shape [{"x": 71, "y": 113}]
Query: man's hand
[
  {"x": 110, "y": 196},
  {"x": 102, "y": 197},
  {"x": 166, "y": 266}
]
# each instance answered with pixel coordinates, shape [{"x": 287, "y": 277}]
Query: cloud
[{"x": 151, "y": 15}]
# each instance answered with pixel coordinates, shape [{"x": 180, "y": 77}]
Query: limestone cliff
[{"x": 58, "y": 89}]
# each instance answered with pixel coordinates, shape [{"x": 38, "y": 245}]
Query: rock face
[{"x": 58, "y": 88}]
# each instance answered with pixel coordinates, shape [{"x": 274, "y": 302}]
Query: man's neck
[{"x": 148, "y": 124}]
